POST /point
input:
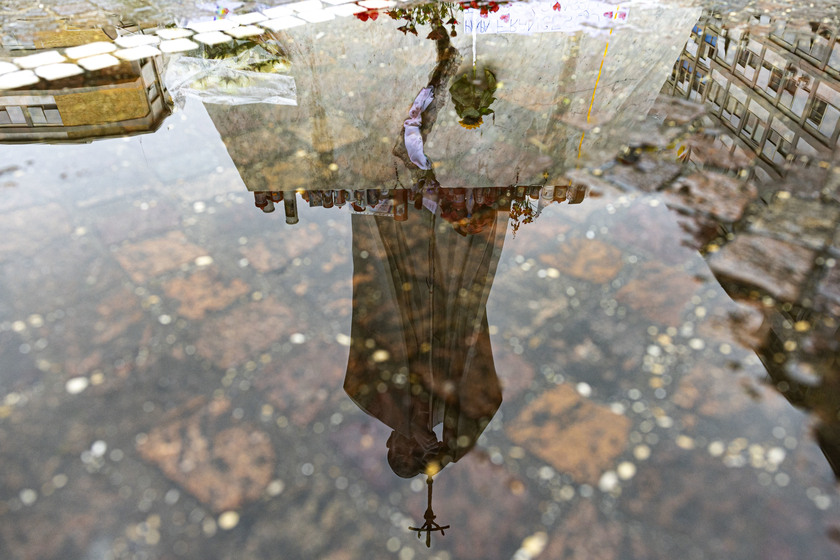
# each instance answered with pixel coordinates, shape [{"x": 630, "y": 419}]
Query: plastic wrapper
[{"x": 239, "y": 78}]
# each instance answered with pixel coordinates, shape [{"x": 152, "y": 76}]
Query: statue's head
[{"x": 406, "y": 456}]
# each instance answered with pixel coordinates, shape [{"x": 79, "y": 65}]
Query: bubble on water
[
  {"x": 28, "y": 496},
  {"x": 76, "y": 385},
  {"x": 776, "y": 455},
  {"x": 297, "y": 338},
  {"x": 626, "y": 470},
  {"x": 641, "y": 452},
  {"x": 584, "y": 389},
  {"x": 228, "y": 520},
  {"x": 343, "y": 339},
  {"x": 608, "y": 481},
  {"x": 716, "y": 448},
  {"x": 98, "y": 448}
]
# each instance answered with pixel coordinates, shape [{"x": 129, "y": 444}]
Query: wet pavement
[{"x": 574, "y": 263}]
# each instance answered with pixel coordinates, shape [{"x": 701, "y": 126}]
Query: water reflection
[
  {"x": 420, "y": 353},
  {"x": 777, "y": 93},
  {"x": 773, "y": 94},
  {"x": 122, "y": 100},
  {"x": 189, "y": 351}
]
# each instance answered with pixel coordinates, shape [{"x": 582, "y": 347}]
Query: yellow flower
[{"x": 471, "y": 125}]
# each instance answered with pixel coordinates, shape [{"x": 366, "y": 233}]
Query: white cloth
[{"x": 413, "y": 138}]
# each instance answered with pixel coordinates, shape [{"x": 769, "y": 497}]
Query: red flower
[
  {"x": 557, "y": 7},
  {"x": 370, "y": 14}
]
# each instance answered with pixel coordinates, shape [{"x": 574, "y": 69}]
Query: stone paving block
[
  {"x": 714, "y": 392},
  {"x": 586, "y": 259},
  {"x": 224, "y": 463},
  {"x": 709, "y": 507},
  {"x": 267, "y": 254},
  {"x": 124, "y": 221},
  {"x": 649, "y": 228},
  {"x": 203, "y": 291},
  {"x": 660, "y": 293},
  {"x": 571, "y": 433},
  {"x": 777, "y": 267},
  {"x": 301, "y": 385},
  {"x": 827, "y": 297},
  {"x": 646, "y": 175},
  {"x": 243, "y": 333},
  {"x": 678, "y": 111},
  {"x": 720, "y": 196},
  {"x": 813, "y": 226},
  {"x": 743, "y": 321},
  {"x": 586, "y": 535},
  {"x": 707, "y": 151},
  {"x": 150, "y": 258},
  {"x": 117, "y": 312},
  {"x": 27, "y": 230},
  {"x": 515, "y": 373},
  {"x": 19, "y": 370}
]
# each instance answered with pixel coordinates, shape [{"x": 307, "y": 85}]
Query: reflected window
[
  {"x": 684, "y": 76},
  {"x": 834, "y": 59},
  {"x": 32, "y": 115},
  {"x": 698, "y": 87},
  {"x": 816, "y": 45},
  {"x": 777, "y": 148},
  {"x": 754, "y": 127},
  {"x": 795, "y": 93},
  {"x": 769, "y": 79},
  {"x": 747, "y": 63},
  {"x": 717, "y": 92},
  {"x": 783, "y": 35},
  {"x": 733, "y": 111},
  {"x": 824, "y": 113},
  {"x": 726, "y": 48},
  {"x": 805, "y": 147},
  {"x": 708, "y": 49}
]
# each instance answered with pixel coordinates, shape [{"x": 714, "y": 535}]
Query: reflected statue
[{"x": 420, "y": 356}]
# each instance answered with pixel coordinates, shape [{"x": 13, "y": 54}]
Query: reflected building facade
[
  {"x": 564, "y": 99},
  {"x": 777, "y": 94},
  {"x": 124, "y": 100},
  {"x": 121, "y": 100}
]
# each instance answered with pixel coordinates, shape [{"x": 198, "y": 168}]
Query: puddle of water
[{"x": 572, "y": 262}]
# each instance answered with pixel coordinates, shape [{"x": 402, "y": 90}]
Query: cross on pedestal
[{"x": 429, "y": 526}]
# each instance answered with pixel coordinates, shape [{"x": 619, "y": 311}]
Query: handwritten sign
[{"x": 545, "y": 17}]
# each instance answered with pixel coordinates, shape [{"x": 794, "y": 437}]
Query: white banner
[{"x": 545, "y": 17}]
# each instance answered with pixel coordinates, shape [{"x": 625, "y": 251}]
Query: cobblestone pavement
[{"x": 173, "y": 358}]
